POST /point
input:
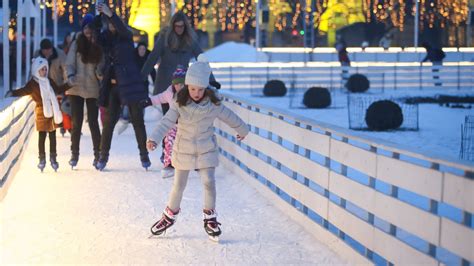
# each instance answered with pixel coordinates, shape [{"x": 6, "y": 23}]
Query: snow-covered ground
[
  {"x": 439, "y": 127},
  {"x": 86, "y": 216}
]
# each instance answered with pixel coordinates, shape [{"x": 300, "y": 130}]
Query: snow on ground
[
  {"x": 235, "y": 52},
  {"x": 86, "y": 216},
  {"x": 440, "y": 127}
]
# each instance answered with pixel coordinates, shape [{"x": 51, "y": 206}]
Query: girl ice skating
[
  {"x": 196, "y": 107},
  {"x": 48, "y": 115}
]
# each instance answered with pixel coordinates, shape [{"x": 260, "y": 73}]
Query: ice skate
[
  {"x": 145, "y": 162},
  {"x": 122, "y": 125},
  {"x": 73, "y": 161},
  {"x": 211, "y": 225},
  {"x": 54, "y": 163},
  {"x": 167, "y": 172},
  {"x": 167, "y": 220},
  {"x": 42, "y": 163},
  {"x": 101, "y": 163}
]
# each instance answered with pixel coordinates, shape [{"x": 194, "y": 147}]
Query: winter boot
[
  {"x": 42, "y": 162},
  {"x": 74, "y": 160},
  {"x": 54, "y": 163},
  {"x": 167, "y": 220},
  {"x": 102, "y": 162},
  {"x": 211, "y": 225},
  {"x": 145, "y": 161}
]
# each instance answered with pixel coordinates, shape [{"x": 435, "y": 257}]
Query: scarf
[{"x": 48, "y": 97}]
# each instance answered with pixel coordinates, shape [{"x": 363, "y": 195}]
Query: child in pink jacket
[{"x": 166, "y": 97}]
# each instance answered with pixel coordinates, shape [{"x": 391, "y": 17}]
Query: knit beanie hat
[
  {"x": 178, "y": 75},
  {"x": 88, "y": 18},
  {"x": 198, "y": 73}
]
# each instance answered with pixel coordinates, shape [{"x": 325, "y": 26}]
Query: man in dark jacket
[{"x": 121, "y": 85}]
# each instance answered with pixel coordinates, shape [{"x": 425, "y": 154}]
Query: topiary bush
[
  {"x": 358, "y": 83},
  {"x": 384, "y": 115},
  {"x": 275, "y": 88},
  {"x": 317, "y": 97}
]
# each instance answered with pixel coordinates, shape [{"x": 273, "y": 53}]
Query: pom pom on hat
[
  {"x": 179, "y": 75},
  {"x": 198, "y": 73}
]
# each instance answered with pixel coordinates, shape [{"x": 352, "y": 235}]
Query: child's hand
[
  {"x": 151, "y": 145},
  {"x": 239, "y": 137}
]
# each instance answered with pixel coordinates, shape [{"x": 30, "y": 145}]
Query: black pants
[
  {"x": 42, "y": 141},
  {"x": 77, "y": 110},
  {"x": 136, "y": 118}
]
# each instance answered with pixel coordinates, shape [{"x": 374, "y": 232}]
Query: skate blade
[{"x": 214, "y": 239}]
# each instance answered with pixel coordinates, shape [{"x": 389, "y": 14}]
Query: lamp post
[
  {"x": 417, "y": 19},
  {"x": 6, "y": 48},
  {"x": 257, "y": 24}
]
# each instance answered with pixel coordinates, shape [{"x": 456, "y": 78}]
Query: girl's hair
[
  {"x": 90, "y": 51},
  {"x": 173, "y": 40},
  {"x": 183, "y": 96}
]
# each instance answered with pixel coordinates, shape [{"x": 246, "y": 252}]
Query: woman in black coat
[{"x": 122, "y": 85}]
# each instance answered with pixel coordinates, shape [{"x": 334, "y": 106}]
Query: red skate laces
[{"x": 167, "y": 220}]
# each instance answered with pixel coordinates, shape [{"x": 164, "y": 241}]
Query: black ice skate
[
  {"x": 42, "y": 163},
  {"x": 74, "y": 160},
  {"x": 166, "y": 221},
  {"x": 54, "y": 163},
  {"x": 145, "y": 161},
  {"x": 211, "y": 225}
]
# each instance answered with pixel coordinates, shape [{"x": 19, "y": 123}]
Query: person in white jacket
[{"x": 195, "y": 148}]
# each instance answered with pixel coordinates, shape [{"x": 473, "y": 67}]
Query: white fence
[
  {"x": 382, "y": 76},
  {"x": 16, "y": 123},
  {"x": 356, "y": 54},
  {"x": 370, "y": 201}
]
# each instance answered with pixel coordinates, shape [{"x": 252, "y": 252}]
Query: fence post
[
  {"x": 395, "y": 75},
  {"x": 383, "y": 82},
  {"x": 459, "y": 75},
  {"x": 230, "y": 74},
  {"x": 420, "y": 81},
  {"x": 330, "y": 73}
]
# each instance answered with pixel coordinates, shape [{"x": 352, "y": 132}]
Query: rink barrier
[
  {"x": 382, "y": 75},
  {"x": 370, "y": 54},
  {"x": 370, "y": 200},
  {"x": 17, "y": 122}
]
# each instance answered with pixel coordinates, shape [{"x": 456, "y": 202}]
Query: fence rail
[
  {"x": 16, "y": 123},
  {"x": 382, "y": 76},
  {"x": 369, "y": 200}
]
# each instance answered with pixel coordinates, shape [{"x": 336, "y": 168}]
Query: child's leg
[
  {"x": 167, "y": 151},
  {"x": 52, "y": 143},
  {"x": 41, "y": 142},
  {"x": 209, "y": 182},
  {"x": 180, "y": 180}
]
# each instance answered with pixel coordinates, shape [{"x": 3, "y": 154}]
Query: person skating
[
  {"x": 195, "y": 108},
  {"x": 48, "y": 115},
  {"x": 122, "y": 85},
  {"x": 167, "y": 97},
  {"x": 83, "y": 63}
]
